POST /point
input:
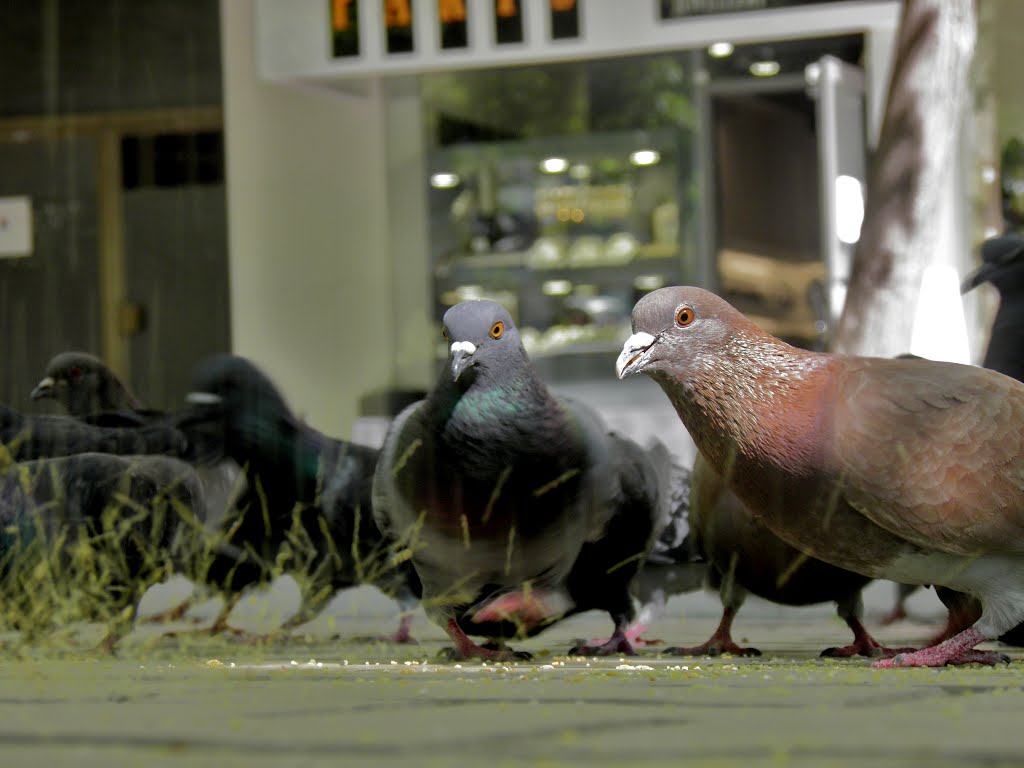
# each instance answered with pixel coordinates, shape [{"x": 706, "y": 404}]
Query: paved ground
[{"x": 313, "y": 699}]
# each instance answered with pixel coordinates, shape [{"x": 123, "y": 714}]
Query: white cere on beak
[
  {"x": 47, "y": 383},
  {"x": 635, "y": 346},
  {"x": 466, "y": 347},
  {"x": 203, "y": 398}
]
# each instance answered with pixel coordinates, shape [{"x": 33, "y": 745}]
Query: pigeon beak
[
  {"x": 633, "y": 350},
  {"x": 462, "y": 357},
  {"x": 977, "y": 277},
  {"x": 203, "y": 398},
  {"x": 43, "y": 389}
]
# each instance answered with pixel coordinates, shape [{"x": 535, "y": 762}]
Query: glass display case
[{"x": 567, "y": 231}]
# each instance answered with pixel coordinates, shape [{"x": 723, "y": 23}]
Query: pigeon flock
[{"x": 503, "y": 508}]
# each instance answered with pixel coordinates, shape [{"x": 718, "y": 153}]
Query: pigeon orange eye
[
  {"x": 497, "y": 329},
  {"x": 684, "y": 316},
  {"x": 76, "y": 372}
]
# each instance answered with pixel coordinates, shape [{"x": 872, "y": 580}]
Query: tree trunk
[{"x": 917, "y": 148}]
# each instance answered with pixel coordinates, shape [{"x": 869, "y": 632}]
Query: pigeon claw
[
  {"x": 959, "y": 649},
  {"x": 613, "y": 646},
  {"x": 870, "y": 649},
  {"x": 712, "y": 648},
  {"x": 449, "y": 653},
  {"x": 467, "y": 649},
  {"x": 925, "y": 659}
]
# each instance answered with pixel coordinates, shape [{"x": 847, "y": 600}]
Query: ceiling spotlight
[
  {"x": 580, "y": 171},
  {"x": 849, "y": 209},
  {"x": 556, "y": 287},
  {"x": 764, "y": 68},
  {"x": 720, "y": 50},
  {"x": 648, "y": 282},
  {"x": 444, "y": 180},
  {"x": 644, "y": 157},
  {"x": 554, "y": 165}
]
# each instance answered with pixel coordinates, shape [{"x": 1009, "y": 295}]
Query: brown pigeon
[{"x": 909, "y": 470}]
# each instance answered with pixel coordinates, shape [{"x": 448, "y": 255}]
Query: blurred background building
[{"x": 312, "y": 182}]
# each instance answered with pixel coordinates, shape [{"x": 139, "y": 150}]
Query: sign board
[
  {"x": 331, "y": 42},
  {"x": 677, "y": 9},
  {"x": 15, "y": 226}
]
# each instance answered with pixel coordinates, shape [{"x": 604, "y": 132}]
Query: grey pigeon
[
  {"x": 305, "y": 492},
  {"x": 103, "y": 526},
  {"x": 517, "y": 507}
]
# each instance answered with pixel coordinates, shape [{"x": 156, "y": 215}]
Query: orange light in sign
[
  {"x": 340, "y": 18},
  {"x": 397, "y": 13},
  {"x": 507, "y": 9},
  {"x": 451, "y": 10}
]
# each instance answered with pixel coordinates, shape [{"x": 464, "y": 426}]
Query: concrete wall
[{"x": 307, "y": 237}]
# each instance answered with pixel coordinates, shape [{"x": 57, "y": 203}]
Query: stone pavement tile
[{"x": 293, "y": 701}]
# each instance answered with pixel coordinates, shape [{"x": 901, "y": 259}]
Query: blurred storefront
[
  {"x": 311, "y": 182},
  {"x": 569, "y": 155}
]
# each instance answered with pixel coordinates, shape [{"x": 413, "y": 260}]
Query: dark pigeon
[
  {"x": 90, "y": 391},
  {"x": 517, "y": 507},
  {"x": 30, "y": 436},
  {"x": 908, "y": 470},
  {"x": 303, "y": 489},
  {"x": 137, "y": 517},
  {"x": 1003, "y": 267},
  {"x": 87, "y": 389}
]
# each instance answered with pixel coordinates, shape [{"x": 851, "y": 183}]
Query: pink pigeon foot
[
  {"x": 863, "y": 645},
  {"x": 719, "y": 643},
  {"x": 713, "y": 646},
  {"x": 527, "y": 609},
  {"x": 632, "y": 635},
  {"x": 959, "y": 649},
  {"x": 618, "y": 643},
  {"x": 402, "y": 635},
  {"x": 467, "y": 649}
]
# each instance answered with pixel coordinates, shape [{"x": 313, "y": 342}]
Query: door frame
[{"x": 108, "y": 129}]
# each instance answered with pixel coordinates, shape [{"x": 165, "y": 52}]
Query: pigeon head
[
  {"x": 1002, "y": 264},
  {"x": 83, "y": 384},
  {"x": 483, "y": 340},
  {"x": 233, "y": 384},
  {"x": 232, "y": 391},
  {"x": 679, "y": 328}
]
